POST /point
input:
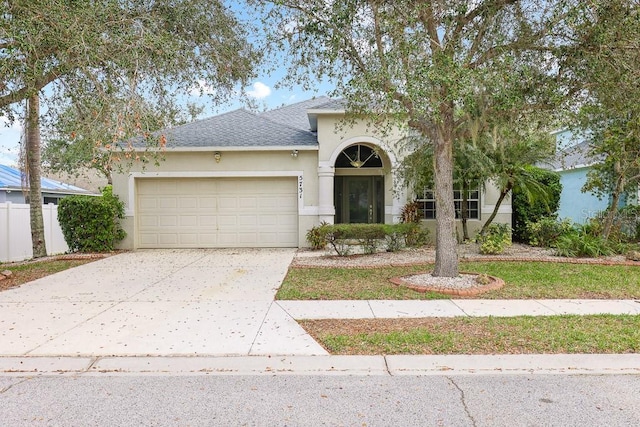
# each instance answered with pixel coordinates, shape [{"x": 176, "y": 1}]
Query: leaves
[{"x": 119, "y": 67}]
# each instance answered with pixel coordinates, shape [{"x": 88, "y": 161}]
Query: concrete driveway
[{"x": 157, "y": 302}]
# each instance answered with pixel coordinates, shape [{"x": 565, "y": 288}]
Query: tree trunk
[
  {"x": 32, "y": 164},
  {"x": 446, "y": 243},
  {"x": 613, "y": 208},
  {"x": 489, "y": 220}
]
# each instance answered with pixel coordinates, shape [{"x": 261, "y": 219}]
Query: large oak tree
[{"x": 417, "y": 63}]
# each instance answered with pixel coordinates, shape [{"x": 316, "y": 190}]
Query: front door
[{"x": 359, "y": 199}]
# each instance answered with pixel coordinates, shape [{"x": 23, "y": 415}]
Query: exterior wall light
[
  {"x": 217, "y": 156},
  {"x": 294, "y": 154}
]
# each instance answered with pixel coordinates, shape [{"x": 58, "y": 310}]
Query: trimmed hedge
[
  {"x": 370, "y": 237},
  {"x": 90, "y": 224}
]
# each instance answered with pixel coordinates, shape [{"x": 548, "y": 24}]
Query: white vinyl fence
[{"x": 15, "y": 232}]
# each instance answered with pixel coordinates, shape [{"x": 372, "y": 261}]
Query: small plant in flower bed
[
  {"x": 584, "y": 243},
  {"x": 496, "y": 239},
  {"x": 317, "y": 236},
  {"x": 545, "y": 232}
]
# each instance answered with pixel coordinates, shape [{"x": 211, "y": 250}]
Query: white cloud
[
  {"x": 259, "y": 91},
  {"x": 5, "y": 124},
  {"x": 202, "y": 87},
  {"x": 8, "y": 157}
]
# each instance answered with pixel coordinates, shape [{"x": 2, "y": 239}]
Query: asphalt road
[{"x": 221, "y": 400}]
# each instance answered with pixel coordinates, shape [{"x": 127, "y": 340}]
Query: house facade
[
  {"x": 573, "y": 163},
  {"x": 263, "y": 180}
]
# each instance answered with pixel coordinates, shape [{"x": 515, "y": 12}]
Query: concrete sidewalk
[{"x": 394, "y": 309}]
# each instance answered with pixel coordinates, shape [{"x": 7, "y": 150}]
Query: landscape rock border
[{"x": 450, "y": 287}]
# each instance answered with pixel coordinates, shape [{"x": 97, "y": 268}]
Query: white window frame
[{"x": 428, "y": 207}]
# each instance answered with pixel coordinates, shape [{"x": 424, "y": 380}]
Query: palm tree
[{"x": 512, "y": 155}]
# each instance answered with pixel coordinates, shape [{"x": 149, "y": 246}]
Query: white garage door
[{"x": 217, "y": 212}]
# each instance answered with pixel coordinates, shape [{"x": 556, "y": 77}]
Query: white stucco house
[{"x": 242, "y": 179}]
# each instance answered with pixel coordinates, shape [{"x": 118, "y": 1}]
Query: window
[
  {"x": 48, "y": 200},
  {"x": 359, "y": 156},
  {"x": 427, "y": 202}
]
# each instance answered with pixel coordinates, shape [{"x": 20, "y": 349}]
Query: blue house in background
[
  {"x": 573, "y": 163},
  {"x": 52, "y": 191}
]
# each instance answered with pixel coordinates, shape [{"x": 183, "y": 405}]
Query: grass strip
[
  {"x": 524, "y": 280},
  {"x": 24, "y": 273},
  {"x": 567, "y": 334}
]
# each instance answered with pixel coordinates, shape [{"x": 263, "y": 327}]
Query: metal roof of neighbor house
[
  {"x": 11, "y": 179},
  {"x": 238, "y": 128}
]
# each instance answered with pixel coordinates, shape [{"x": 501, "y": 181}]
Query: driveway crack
[
  {"x": 10, "y": 386},
  {"x": 463, "y": 400}
]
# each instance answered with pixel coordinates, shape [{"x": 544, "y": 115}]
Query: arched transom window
[{"x": 359, "y": 156}]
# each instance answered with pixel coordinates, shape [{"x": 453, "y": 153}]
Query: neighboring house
[
  {"x": 241, "y": 179},
  {"x": 11, "y": 187},
  {"x": 573, "y": 163}
]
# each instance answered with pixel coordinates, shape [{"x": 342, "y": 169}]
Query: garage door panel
[
  {"x": 207, "y": 221},
  {"x": 188, "y": 239},
  {"x": 188, "y": 203},
  {"x": 247, "y": 203},
  {"x": 188, "y": 221},
  {"x": 167, "y": 202},
  {"x": 168, "y": 221},
  {"x": 217, "y": 212},
  {"x": 226, "y": 202},
  {"x": 168, "y": 239},
  {"x": 148, "y": 221},
  {"x": 208, "y": 202}
]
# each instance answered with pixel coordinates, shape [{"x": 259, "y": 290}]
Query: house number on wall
[{"x": 300, "y": 187}]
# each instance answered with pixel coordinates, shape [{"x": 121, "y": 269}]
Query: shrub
[
  {"x": 317, "y": 236},
  {"x": 625, "y": 227},
  {"x": 582, "y": 244},
  {"x": 546, "y": 231},
  {"x": 90, "y": 224},
  {"x": 526, "y": 211},
  {"x": 410, "y": 213},
  {"x": 495, "y": 240}
]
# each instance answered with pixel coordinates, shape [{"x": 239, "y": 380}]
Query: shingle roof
[
  {"x": 573, "y": 157},
  {"x": 295, "y": 115},
  {"x": 238, "y": 128},
  {"x": 332, "y": 104},
  {"x": 11, "y": 178}
]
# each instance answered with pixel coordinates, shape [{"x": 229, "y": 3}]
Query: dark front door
[{"x": 359, "y": 199}]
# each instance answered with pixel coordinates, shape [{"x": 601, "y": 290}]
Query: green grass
[
  {"x": 483, "y": 335},
  {"x": 523, "y": 280},
  {"x": 23, "y": 273}
]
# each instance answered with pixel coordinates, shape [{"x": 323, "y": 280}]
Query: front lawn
[
  {"x": 23, "y": 273},
  {"x": 523, "y": 280},
  {"x": 568, "y": 334}
]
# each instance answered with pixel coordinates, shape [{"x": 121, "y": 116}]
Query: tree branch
[{"x": 24, "y": 92}]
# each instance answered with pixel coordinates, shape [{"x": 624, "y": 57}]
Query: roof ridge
[{"x": 286, "y": 125}]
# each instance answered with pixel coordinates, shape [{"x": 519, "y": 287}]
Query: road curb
[{"x": 535, "y": 364}]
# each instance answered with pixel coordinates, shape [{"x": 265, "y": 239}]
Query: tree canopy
[
  {"x": 419, "y": 64},
  {"x": 115, "y": 62},
  {"x": 609, "y": 65}
]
